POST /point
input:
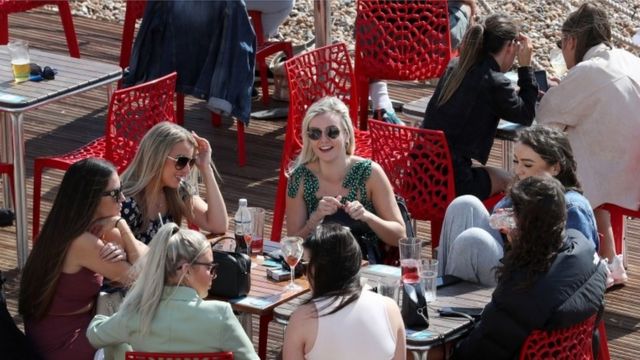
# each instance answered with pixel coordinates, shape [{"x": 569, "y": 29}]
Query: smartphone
[
  {"x": 447, "y": 280},
  {"x": 453, "y": 311},
  {"x": 541, "y": 79}
]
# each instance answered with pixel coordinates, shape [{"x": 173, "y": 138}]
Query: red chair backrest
[
  {"x": 418, "y": 164},
  {"x": 326, "y": 71},
  {"x": 12, "y": 6},
  {"x": 402, "y": 40},
  {"x": 139, "y": 355},
  {"x": 574, "y": 343},
  {"x": 132, "y": 112}
]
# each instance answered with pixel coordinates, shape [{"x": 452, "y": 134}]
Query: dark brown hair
[
  {"x": 479, "y": 41},
  {"x": 540, "y": 212},
  {"x": 334, "y": 265},
  {"x": 72, "y": 212},
  {"x": 590, "y": 26}
]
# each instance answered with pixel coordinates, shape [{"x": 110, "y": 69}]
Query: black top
[
  {"x": 470, "y": 117},
  {"x": 569, "y": 293}
]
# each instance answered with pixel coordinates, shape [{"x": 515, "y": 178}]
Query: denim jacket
[{"x": 211, "y": 45}]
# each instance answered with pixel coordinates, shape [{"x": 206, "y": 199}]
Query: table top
[
  {"x": 441, "y": 329},
  {"x": 73, "y": 75},
  {"x": 266, "y": 294}
]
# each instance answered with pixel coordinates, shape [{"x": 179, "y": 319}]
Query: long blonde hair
[
  {"x": 143, "y": 175},
  {"x": 328, "y": 104},
  {"x": 170, "y": 248},
  {"x": 479, "y": 40}
]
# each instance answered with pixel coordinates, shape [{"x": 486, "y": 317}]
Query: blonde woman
[
  {"x": 160, "y": 185},
  {"x": 327, "y": 183},
  {"x": 165, "y": 312}
]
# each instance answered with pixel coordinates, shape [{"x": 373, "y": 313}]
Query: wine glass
[
  {"x": 292, "y": 252},
  {"x": 247, "y": 240}
]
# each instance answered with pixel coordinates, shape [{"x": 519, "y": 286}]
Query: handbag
[
  {"x": 108, "y": 303},
  {"x": 234, "y": 272},
  {"x": 414, "y": 306}
]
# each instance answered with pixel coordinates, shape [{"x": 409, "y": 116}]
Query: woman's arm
[
  {"x": 300, "y": 334},
  {"x": 397, "y": 326},
  {"x": 85, "y": 252},
  {"x": 212, "y": 214},
  {"x": 388, "y": 223},
  {"x": 116, "y": 230},
  {"x": 104, "y": 331}
]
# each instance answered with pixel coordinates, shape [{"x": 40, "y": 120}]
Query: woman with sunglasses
[
  {"x": 474, "y": 94},
  {"x": 327, "y": 183},
  {"x": 326, "y": 326},
  {"x": 160, "y": 184},
  {"x": 597, "y": 105},
  {"x": 64, "y": 272},
  {"x": 471, "y": 249},
  {"x": 164, "y": 310}
]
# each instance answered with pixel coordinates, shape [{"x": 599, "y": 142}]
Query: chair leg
[
  {"x": 216, "y": 119},
  {"x": 69, "y": 30},
  {"x": 279, "y": 209},
  {"x": 180, "y": 108},
  {"x": 363, "y": 100},
  {"x": 617, "y": 225},
  {"x": 4, "y": 29},
  {"x": 242, "y": 156},
  {"x": 37, "y": 188},
  {"x": 604, "y": 344}
]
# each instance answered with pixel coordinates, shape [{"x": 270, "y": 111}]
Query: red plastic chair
[
  {"x": 13, "y": 6},
  {"x": 139, "y": 355},
  {"x": 133, "y": 12},
  {"x": 132, "y": 112},
  {"x": 399, "y": 40},
  {"x": 418, "y": 164},
  {"x": 575, "y": 343},
  {"x": 265, "y": 49},
  {"x": 618, "y": 223},
  {"x": 326, "y": 71}
]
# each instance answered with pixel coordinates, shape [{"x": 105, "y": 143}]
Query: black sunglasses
[
  {"x": 559, "y": 43},
  {"x": 332, "y": 132},
  {"x": 182, "y": 161},
  {"x": 115, "y": 193}
]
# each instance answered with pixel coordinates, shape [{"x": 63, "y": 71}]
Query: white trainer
[{"x": 618, "y": 273}]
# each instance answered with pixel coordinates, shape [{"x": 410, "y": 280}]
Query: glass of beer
[{"x": 19, "y": 50}]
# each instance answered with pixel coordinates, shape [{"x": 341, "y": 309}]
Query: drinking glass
[
  {"x": 291, "y": 247},
  {"x": 410, "y": 248},
  {"x": 19, "y": 50},
  {"x": 247, "y": 240},
  {"x": 428, "y": 278},
  {"x": 257, "y": 230}
]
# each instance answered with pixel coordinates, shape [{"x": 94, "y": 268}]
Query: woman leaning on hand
[
  {"x": 160, "y": 184},
  {"x": 63, "y": 274},
  {"x": 165, "y": 312},
  {"x": 328, "y": 183}
]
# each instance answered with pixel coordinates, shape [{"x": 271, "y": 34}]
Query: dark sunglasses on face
[
  {"x": 559, "y": 43},
  {"x": 182, "y": 161},
  {"x": 332, "y": 132},
  {"x": 115, "y": 194}
]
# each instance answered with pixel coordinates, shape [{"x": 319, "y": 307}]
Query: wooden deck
[{"x": 66, "y": 125}]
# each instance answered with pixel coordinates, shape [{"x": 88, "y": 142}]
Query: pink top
[{"x": 75, "y": 291}]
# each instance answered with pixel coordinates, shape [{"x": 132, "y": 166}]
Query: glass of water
[{"x": 428, "y": 278}]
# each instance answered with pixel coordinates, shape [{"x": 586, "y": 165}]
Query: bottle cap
[{"x": 242, "y": 202}]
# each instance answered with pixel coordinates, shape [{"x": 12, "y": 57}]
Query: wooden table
[
  {"x": 264, "y": 297},
  {"x": 442, "y": 330},
  {"x": 74, "y": 76}
]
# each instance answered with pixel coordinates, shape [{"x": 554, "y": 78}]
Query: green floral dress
[{"x": 355, "y": 181}]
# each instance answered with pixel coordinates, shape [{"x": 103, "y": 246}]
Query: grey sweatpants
[{"x": 469, "y": 248}]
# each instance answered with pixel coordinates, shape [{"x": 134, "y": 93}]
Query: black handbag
[
  {"x": 234, "y": 273},
  {"x": 414, "y": 307}
]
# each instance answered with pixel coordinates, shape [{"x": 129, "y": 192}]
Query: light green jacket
[{"x": 183, "y": 323}]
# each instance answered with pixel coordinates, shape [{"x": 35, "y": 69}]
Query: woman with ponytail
[
  {"x": 164, "y": 311},
  {"x": 474, "y": 94}
]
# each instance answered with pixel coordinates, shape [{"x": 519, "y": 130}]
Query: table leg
[
  {"x": 22, "y": 241},
  {"x": 507, "y": 155},
  {"x": 6, "y": 156},
  {"x": 264, "y": 335}
]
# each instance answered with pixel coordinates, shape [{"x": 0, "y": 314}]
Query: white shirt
[
  {"x": 599, "y": 105},
  {"x": 361, "y": 330}
]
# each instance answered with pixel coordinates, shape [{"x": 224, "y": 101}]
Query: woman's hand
[
  {"x": 356, "y": 210},
  {"x": 328, "y": 205},
  {"x": 112, "y": 253},
  {"x": 203, "y": 158},
  {"x": 525, "y": 51}
]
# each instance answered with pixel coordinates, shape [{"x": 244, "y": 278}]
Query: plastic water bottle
[{"x": 242, "y": 227}]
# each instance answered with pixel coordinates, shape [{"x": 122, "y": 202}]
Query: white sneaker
[{"x": 618, "y": 273}]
